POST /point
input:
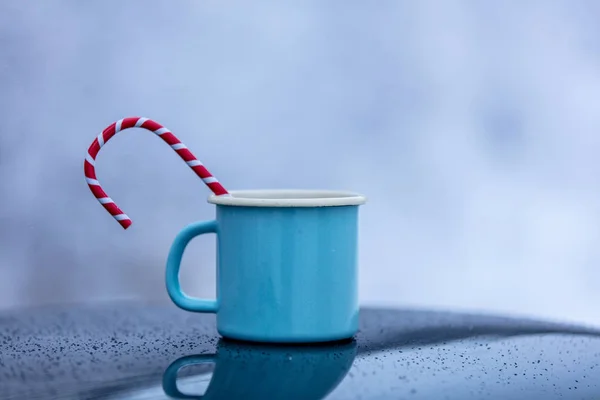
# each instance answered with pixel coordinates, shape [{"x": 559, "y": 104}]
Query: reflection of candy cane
[{"x": 164, "y": 134}]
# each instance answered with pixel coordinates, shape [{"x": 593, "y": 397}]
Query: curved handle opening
[
  {"x": 169, "y": 382},
  {"x": 176, "y": 294}
]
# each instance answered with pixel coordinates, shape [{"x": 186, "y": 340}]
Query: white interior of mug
[{"x": 288, "y": 198}]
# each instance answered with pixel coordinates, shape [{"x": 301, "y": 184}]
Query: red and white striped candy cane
[{"x": 164, "y": 134}]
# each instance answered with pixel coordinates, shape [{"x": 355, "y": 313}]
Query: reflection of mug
[
  {"x": 286, "y": 265},
  {"x": 254, "y": 371}
]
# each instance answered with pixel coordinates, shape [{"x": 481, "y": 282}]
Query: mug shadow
[
  {"x": 382, "y": 329},
  {"x": 312, "y": 371},
  {"x": 258, "y": 371}
]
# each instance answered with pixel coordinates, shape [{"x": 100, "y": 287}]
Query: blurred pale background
[{"x": 473, "y": 128}]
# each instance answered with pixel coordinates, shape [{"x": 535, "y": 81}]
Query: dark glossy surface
[{"x": 122, "y": 352}]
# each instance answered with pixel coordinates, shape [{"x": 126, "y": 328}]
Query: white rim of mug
[{"x": 288, "y": 198}]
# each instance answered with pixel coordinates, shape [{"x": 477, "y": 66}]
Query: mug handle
[
  {"x": 181, "y": 241},
  {"x": 169, "y": 382}
]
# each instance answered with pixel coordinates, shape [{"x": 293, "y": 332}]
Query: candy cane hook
[{"x": 164, "y": 134}]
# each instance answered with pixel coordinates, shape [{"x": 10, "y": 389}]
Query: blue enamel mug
[{"x": 287, "y": 265}]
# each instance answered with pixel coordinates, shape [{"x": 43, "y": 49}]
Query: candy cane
[{"x": 164, "y": 134}]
